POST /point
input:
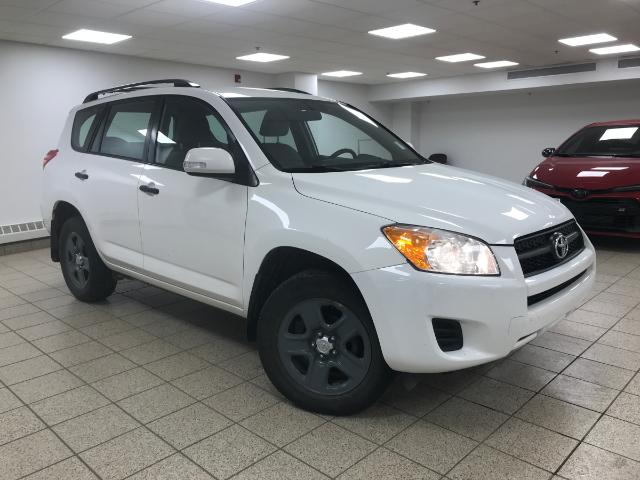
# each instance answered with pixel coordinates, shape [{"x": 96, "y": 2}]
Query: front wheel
[
  {"x": 319, "y": 346},
  {"x": 86, "y": 275}
]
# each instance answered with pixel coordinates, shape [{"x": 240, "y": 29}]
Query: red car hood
[{"x": 589, "y": 173}]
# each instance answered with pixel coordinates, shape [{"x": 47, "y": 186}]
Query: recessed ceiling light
[
  {"x": 262, "y": 57},
  {"x": 406, "y": 75},
  {"x": 402, "y": 31},
  {"x": 588, "y": 39},
  {"x": 629, "y": 47},
  {"x": 497, "y": 64},
  {"x": 93, "y": 36},
  {"x": 461, "y": 57},
  {"x": 341, "y": 73},
  {"x": 232, "y": 3}
]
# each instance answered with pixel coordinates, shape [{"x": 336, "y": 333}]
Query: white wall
[
  {"x": 503, "y": 134},
  {"x": 39, "y": 85}
]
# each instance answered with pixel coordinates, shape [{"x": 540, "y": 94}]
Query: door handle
[
  {"x": 82, "y": 175},
  {"x": 150, "y": 190}
]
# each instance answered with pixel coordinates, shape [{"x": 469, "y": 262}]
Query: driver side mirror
[
  {"x": 439, "y": 158},
  {"x": 209, "y": 162},
  {"x": 548, "y": 152}
]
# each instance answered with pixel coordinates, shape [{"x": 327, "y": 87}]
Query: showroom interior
[{"x": 153, "y": 382}]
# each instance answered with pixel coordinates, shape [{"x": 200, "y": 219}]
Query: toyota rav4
[{"x": 350, "y": 255}]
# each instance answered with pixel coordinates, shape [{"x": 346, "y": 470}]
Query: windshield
[
  {"x": 300, "y": 135},
  {"x": 615, "y": 141}
]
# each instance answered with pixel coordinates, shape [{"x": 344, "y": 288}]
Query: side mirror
[
  {"x": 548, "y": 152},
  {"x": 209, "y": 162},
  {"x": 439, "y": 158}
]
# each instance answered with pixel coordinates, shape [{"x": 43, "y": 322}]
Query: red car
[{"x": 596, "y": 174}]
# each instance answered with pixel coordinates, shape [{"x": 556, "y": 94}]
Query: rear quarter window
[{"x": 83, "y": 124}]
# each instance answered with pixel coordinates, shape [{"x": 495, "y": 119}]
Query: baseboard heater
[{"x": 22, "y": 231}]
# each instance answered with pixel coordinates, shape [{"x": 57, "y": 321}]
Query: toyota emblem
[{"x": 559, "y": 245}]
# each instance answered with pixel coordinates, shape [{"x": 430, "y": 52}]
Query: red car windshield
[{"x": 609, "y": 141}]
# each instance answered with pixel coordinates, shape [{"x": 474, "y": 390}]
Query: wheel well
[
  {"x": 279, "y": 265},
  {"x": 62, "y": 212}
]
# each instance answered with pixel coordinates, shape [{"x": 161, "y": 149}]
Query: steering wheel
[{"x": 343, "y": 150}]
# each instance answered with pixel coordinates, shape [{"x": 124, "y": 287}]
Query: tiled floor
[{"x": 150, "y": 385}]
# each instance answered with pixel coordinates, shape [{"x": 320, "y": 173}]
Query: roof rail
[
  {"x": 130, "y": 87},
  {"x": 287, "y": 89}
]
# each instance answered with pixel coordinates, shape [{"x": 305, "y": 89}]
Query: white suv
[{"x": 349, "y": 254}]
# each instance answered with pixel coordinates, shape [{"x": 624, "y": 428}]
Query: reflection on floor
[{"x": 150, "y": 385}]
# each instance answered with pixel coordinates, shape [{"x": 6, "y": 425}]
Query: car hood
[
  {"x": 438, "y": 196},
  {"x": 589, "y": 173}
]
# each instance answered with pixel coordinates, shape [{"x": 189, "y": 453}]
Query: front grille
[
  {"x": 606, "y": 214},
  {"x": 535, "y": 251},
  {"x": 448, "y": 334},
  {"x": 539, "y": 297}
]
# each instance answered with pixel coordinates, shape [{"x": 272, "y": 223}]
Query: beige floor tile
[
  {"x": 64, "y": 406},
  {"x": 241, "y": 401},
  {"x": 634, "y": 385},
  {"x": 626, "y": 407},
  {"x": 592, "y": 463},
  {"x": 485, "y": 463},
  {"x": 277, "y": 466},
  {"x": 61, "y": 341},
  {"x": 128, "y": 339},
  {"x": 466, "y": 418},
  {"x": 31, "y": 391},
  {"x": 229, "y": 451},
  {"x": 578, "y": 330},
  {"x": 592, "y": 318},
  {"x": 378, "y": 423},
  {"x": 220, "y": 349},
  {"x": 533, "y": 444},
  {"x": 189, "y": 425},
  {"x": 127, "y": 383},
  {"x": 613, "y": 356},
  {"x": 621, "y": 340},
  {"x": 102, "y": 367},
  {"x": 561, "y": 343},
  {"x": 91, "y": 429},
  {"x": 9, "y": 339},
  {"x": 150, "y": 352},
  {"x": 80, "y": 353},
  {"x": 417, "y": 401},
  {"x": 17, "y": 353},
  {"x": 175, "y": 467},
  {"x": 88, "y": 318},
  {"x": 628, "y": 325},
  {"x": 30, "y": 454},
  {"x": 581, "y": 393},
  {"x": 155, "y": 403},
  {"x": 8, "y": 401},
  {"x": 521, "y": 375},
  {"x": 432, "y": 446},
  {"x": 497, "y": 395},
  {"x": 70, "y": 469},
  {"x": 106, "y": 329},
  {"x": 18, "y": 423},
  {"x": 282, "y": 423},
  {"x": 616, "y": 436},
  {"x": 27, "y": 369},
  {"x": 247, "y": 365},
  {"x": 43, "y": 330},
  {"x": 600, "y": 373},
  {"x": 559, "y": 416},
  {"x": 607, "y": 308},
  {"x": 207, "y": 382},
  {"x": 127, "y": 454},
  {"x": 383, "y": 464},
  {"x": 330, "y": 449},
  {"x": 542, "y": 358},
  {"x": 16, "y": 311},
  {"x": 176, "y": 366}
]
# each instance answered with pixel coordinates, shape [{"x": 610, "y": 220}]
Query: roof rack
[
  {"x": 131, "y": 87},
  {"x": 291, "y": 90}
]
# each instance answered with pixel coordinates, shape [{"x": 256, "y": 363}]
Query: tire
[
  {"x": 86, "y": 275},
  {"x": 319, "y": 347}
]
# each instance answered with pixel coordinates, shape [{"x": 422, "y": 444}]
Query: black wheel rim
[
  {"x": 78, "y": 266},
  {"x": 324, "y": 347}
]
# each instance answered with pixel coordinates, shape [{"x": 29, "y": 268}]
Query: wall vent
[
  {"x": 22, "y": 231},
  {"x": 548, "y": 71},
  {"x": 629, "y": 62}
]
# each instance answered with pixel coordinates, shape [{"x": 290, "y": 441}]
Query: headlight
[
  {"x": 440, "y": 251},
  {"x": 533, "y": 183}
]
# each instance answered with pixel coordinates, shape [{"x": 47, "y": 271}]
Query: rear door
[
  {"x": 108, "y": 175},
  {"x": 193, "y": 227}
]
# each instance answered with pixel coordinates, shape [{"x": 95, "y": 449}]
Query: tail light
[{"x": 51, "y": 154}]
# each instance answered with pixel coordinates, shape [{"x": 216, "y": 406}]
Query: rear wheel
[
  {"x": 319, "y": 347},
  {"x": 86, "y": 275}
]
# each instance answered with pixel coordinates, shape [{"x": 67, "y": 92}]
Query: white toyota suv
[{"x": 349, "y": 254}]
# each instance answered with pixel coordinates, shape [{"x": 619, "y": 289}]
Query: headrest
[{"x": 274, "y": 124}]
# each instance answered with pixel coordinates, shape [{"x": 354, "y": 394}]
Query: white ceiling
[{"x": 324, "y": 35}]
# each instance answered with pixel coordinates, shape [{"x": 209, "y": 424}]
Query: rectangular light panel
[
  {"x": 588, "y": 39},
  {"x": 406, "y": 30},
  {"x": 94, "y": 36},
  {"x": 262, "y": 57},
  {"x": 461, "y": 57}
]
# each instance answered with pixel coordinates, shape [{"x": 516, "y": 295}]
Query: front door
[{"x": 192, "y": 227}]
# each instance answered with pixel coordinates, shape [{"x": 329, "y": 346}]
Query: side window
[
  {"x": 187, "y": 123},
  {"x": 333, "y": 134},
  {"x": 126, "y": 128},
  {"x": 82, "y": 126}
]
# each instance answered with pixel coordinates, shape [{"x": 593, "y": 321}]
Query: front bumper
[{"x": 492, "y": 311}]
